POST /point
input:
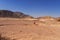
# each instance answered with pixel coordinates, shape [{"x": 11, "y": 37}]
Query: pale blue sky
[{"x": 33, "y": 7}]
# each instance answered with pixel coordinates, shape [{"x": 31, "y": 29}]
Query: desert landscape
[{"x": 25, "y": 27}]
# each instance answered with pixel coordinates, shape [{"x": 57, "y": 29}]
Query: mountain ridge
[{"x": 7, "y": 13}]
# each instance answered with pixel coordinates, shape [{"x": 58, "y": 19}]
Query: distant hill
[
  {"x": 46, "y": 17},
  {"x": 11, "y": 14}
]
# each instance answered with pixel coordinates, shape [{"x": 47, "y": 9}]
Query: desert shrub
[
  {"x": 58, "y": 20},
  {"x": 3, "y": 38}
]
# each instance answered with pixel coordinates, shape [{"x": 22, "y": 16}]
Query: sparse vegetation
[
  {"x": 58, "y": 19},
  {"x": 5, "y": 38}
]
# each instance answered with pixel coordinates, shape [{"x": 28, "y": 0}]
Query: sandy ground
[{"x": 28, "y": 30}]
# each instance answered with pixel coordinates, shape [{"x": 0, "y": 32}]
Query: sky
[{"x": 34, "y": 8}]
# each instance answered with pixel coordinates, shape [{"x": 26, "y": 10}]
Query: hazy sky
[{"x": 33, "y": 7}]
